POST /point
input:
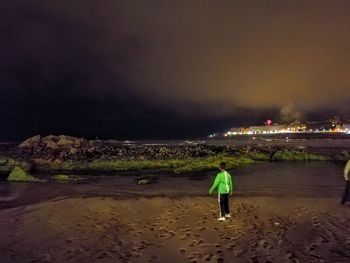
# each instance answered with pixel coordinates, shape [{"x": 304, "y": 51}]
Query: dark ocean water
[{"x": 295, "y": 140}]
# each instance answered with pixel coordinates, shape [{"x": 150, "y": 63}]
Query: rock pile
[{"x": 68, "y": 148}]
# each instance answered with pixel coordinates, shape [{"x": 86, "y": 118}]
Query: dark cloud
[{"x": 168, "y": 68}]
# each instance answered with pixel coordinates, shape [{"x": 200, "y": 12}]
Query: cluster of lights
[{"x": 298, "y": 129}]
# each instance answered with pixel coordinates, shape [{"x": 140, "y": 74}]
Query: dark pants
[
  {"x": 223, "y": 202},
  {"x": 346, "y": 193}
]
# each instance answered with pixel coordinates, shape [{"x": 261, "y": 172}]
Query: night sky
[{"x": 169, "y": 69}]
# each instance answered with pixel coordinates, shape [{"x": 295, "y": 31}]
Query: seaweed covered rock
[
  {"x": 297, "y": 155},
  {"x": 66, "y": 178},
  {"x": 19, "y": 175}
]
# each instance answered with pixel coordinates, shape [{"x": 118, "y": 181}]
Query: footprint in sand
[
  {"x": 183, "y": 237},
  {"x": 311, "y": 247},
  {"x": 291, "y": 258},
  {"x": 196, "y": 242},
  {"x": 183, "y": 251},
  {"x": 219, "y": 252},
  {"x": 347, "y": 242},
  {"x": 195, "y": 257},
  {"x": 263, "y": 243},
  {"x": 205, "y": 245},
  {"x": 136, "y": 254},
  {"x": 121, "y": 243},
  {"x": 321, "y": 239},
  {"x": 201, "y": 228},
  {"x": 217, "y": 258},
  {"x": 69, "y": 240},
  {"x": 227, "y": 238},
  {"x": 208, "y": 257},
  {"x": 254, "y": 244},
  {"x": 153, "y": 259},
  {"x": 230, "y": 247},
  {"x": 316, "y": 224},
  {"x": 144, "y": 244},
  {"x": 238, "y": 252},
  {"x": 164, "y": 236}
]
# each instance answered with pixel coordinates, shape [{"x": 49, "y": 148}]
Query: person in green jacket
[{"x": 223, "y": 184}]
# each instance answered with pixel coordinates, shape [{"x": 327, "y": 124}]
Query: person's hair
[{"x": 222, "y": 165}]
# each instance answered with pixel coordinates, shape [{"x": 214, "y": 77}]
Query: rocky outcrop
[
  {"x": 69, "y": 155},
  {"x": 51, "y": 147},
  {"x": 62, "y": 148},
  {"x": 61, "y": 142},
  {"x": 31, "y": 142}
]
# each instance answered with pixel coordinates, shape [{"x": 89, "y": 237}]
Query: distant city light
[{"x": 294, "y": 127}]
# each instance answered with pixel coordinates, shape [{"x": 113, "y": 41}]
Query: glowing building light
[{"x": 268, "y": 122}]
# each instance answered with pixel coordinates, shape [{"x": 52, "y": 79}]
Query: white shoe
[
  {"x": 228, "y": 215},
  {"x": 222, "y": 218}
]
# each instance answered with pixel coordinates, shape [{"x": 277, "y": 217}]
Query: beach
[
  {"x": 164, "y": 229},
  {"x": 278, "y": 215}
]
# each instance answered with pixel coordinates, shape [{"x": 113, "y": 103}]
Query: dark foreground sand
[{"x": 262, "y": 229}]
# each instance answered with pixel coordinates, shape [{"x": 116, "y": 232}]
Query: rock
[
  {"x": 61, "y": 143},
  {"x": 147, "y": 179},
  {"x": 19, "y": 175},
  {"x": 73, "y": 151},
  {"x": 31, "y": 142},
  {"x": 63, "y": 177},
  {"x": 144, "y": 181},
  {"x": 68, "y": 142},
  {"x": 342, "y": 156},
  {"x": 40, "y": 162},
  {"x": 50, "y": 142}
]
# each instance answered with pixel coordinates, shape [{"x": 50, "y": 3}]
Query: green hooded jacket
[{"x": 223, "y": 182}]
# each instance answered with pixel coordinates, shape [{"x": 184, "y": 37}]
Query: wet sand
[{"x": 280, "y": 213}]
